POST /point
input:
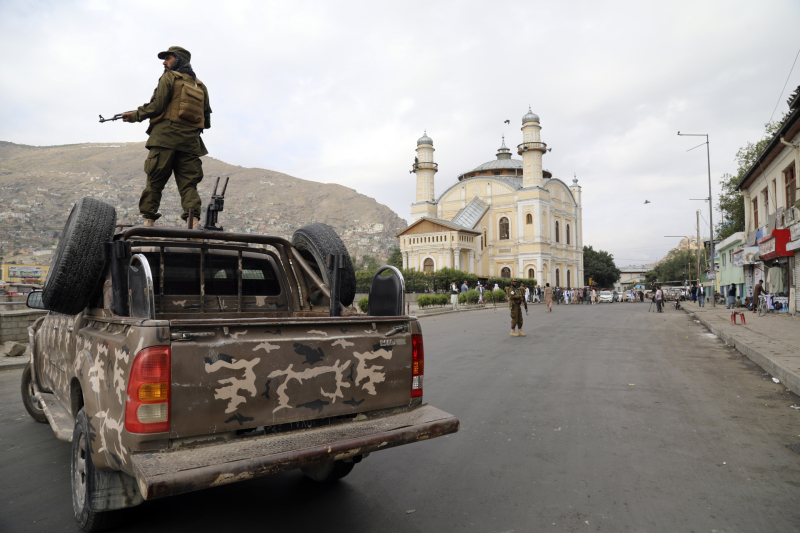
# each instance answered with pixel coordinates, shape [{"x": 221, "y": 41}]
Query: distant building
[
  {"x": 504, "y": 218},
  {"x": 632, "y": 274},
  {"x": 23, "y": 273}
]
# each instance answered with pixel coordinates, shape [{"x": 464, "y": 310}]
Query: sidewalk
[{"x": 771, "y": 341}]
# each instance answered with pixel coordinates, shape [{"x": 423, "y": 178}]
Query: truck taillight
[
  {"x": 147, "y": 410},
  {"x": 417, "y": 365}
]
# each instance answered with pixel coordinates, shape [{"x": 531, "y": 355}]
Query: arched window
[
  {"x": 529, "y": 219},
  {"x": 558, "y": 238},
  {"x": 558, "y": 281},
  {"x": 567, "y": 233},
  {"x": 569, "y": 279},
  {"x": 531, "y": 275},
  {"x": 486, "y": 238},
  {"x": 505, "y": 273},
  {"x": 504, "y": 229},
  {"x": 427, "y": 266}
]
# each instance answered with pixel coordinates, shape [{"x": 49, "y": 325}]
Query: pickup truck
[{"x": 175, "y": 360}]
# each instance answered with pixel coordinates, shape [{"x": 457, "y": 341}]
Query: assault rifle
[
  {"x": 115, "y": 117},
  {"x": 215, "y": 206}
]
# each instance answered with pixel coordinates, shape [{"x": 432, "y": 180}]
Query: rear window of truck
[{"x": 182, "y": 275}]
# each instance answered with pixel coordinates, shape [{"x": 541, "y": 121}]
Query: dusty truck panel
[
  {"x": 228, "y": 369},
  {"x": 257, "y": 375}
]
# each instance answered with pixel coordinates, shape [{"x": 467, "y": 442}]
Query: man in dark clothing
[
  {"x": 758, "y": 291},
  {"x": 731, "y": 296},
  {"x": 179, "y": 112},
  {"x": 694, "y": 292}
]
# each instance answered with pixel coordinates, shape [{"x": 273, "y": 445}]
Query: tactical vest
[{"x": 187, "y": 103}]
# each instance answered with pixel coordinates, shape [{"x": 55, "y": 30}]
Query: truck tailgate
[
  {"x": 166, "y": 473},
  {"x": 255, "y": 373}
]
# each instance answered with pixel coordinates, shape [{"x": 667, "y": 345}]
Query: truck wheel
[
  {"x": 327, "y": 472},
  {"x": 315, "y": 242},
  {"x": 29, "y": 399},
  {"x": 78, "y": 261},
  {"x": 82, "y": 469}
]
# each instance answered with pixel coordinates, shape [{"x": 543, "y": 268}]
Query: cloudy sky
[{"x": 340, "y": 91}]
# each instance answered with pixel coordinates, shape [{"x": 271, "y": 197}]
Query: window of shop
[
  {"x": 791, "y": 185},
  {"x": 504, "y": 229}
]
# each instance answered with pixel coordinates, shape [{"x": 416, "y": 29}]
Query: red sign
[{"x": 774, "y": 246}]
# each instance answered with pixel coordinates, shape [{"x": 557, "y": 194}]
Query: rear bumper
[{"x": 173, "y": 472}]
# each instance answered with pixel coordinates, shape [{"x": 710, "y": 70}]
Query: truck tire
[
  {"x": 328, "y": 472},
  {"x": 78, "y": 261},
  {"x": 29, "y": 400},
  {"x": 315, "y": 242},
  {"x": 82, "y": 470}
]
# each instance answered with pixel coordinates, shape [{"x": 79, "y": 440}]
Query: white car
[{"x": 606, "y": 297}]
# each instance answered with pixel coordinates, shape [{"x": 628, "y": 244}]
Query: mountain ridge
[{"x": 39, "y": 185}]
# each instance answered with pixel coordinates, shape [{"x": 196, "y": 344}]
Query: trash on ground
[
  {"x": 411, "y": 511},
  {"x": 776, "y": 380},
  {"x": 795, "y": 406}
]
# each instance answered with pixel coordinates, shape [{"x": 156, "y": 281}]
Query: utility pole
[
  {"x": 710, "y": 206},
  {"x": 698, "y": 250}
]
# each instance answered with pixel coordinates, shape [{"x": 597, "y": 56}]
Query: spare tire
[
  {"x": 78, "y": 261},
  {"x": 315, "y": 242}
]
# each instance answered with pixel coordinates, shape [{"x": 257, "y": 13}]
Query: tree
[
  {"x": 599, "y": 266},
  {"x": 395, "y": 259},
  {"x": 674, "y": 268},
  {"x": 731, "y": 203}
]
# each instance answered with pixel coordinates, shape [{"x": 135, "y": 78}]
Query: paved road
[{"x": 604, "y": 418}]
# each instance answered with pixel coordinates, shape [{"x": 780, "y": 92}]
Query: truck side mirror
[
  {"x": 34, "y": 300},
  {"x": 141, "y": 300}
]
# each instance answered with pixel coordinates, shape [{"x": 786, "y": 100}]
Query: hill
[{"x": 38, "y": 186}]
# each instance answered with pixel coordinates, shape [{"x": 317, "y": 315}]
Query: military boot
[
  {"x": 520, "y": 334},
  {"x": 195, "y": 223},
  {"x": 513, "y": 333},
  {"x": 149, "y": 222}
]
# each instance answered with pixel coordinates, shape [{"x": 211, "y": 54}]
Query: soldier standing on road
[
  {"x": 514, "y": 296},
  {"x": 178, "y": 113}
]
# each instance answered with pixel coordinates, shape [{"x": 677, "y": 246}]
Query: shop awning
[{"x": 773, "y": 245}]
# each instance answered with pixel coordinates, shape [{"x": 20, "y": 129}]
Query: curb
[
  {"x": 788, "y": 378},
  {"x": 437, "y": 313},
  {"x": 14, "y": 365}
]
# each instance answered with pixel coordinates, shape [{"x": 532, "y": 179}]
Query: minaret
[
  {"x": 425, "y": 169},
  {"x": 531, "y": 150}
]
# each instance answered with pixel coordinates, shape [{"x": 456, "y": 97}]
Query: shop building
[
  {"x": 731, "y": 275},
  {"x": 770, "y": 196}
]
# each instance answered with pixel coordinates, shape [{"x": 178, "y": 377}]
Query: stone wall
[{"x": 14, "y": 324}]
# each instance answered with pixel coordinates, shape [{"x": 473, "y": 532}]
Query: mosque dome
[
  {"x": 425, "y": 139},
  {"x": 530, "y": 116}
]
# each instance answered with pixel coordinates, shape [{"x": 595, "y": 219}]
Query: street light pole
[{"x": 710, "y": 207}]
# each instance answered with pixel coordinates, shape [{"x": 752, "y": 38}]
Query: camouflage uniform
[
  {"x": 514, "y": 296},
  {"x": 174, "y": 148}
]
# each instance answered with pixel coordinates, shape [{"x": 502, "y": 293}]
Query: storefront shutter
[{"x": 796, "y": 283}]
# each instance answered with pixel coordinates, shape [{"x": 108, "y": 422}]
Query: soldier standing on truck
[
  {"x": 178, "y": 113},
  {"x": 514, "y": 297}
]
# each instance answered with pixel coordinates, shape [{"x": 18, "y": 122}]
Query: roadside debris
[
  {"x": 795, "y": 407},
  {"x": 776, "y": 380},
  {"x": 411, "y": 511}
]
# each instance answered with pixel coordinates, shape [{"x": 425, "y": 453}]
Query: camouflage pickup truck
[{"x": 175, "y": 360}]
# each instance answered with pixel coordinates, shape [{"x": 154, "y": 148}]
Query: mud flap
[{"x": 109, "y": 491}]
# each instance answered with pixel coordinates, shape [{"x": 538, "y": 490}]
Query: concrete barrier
[{"x": 14, "y": 323}]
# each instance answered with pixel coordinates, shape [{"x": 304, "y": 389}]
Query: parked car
[{"x": 606, "y": 297}]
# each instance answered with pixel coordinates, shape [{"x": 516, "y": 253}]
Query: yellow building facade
[
  {"x": 505, "y": 218},
  {"x": 24, "y": 273}
]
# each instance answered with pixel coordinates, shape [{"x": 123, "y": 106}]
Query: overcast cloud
[{"x": 340, "y": 91}]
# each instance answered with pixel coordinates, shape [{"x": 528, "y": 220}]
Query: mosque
[{"x": 505, "y": 218}]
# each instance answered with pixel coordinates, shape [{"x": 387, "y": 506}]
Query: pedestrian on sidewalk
[
  {"x": 527, "y": 295},
  {"x": 731, "y": 296},
  {"x": 694, "y": 292},
  {"x": 758, "y": 291},
  {"x": 594, "y": 296},
  {"x": 701, "y": 297},
  {"x": 659, "y": 299},
  {"x": 548, "y": 297},
  {"x": 454, "y": 295},
  {"x": 481, "y": 292},
  {"x": 536, "y": 291}
]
